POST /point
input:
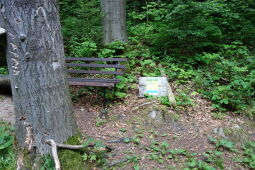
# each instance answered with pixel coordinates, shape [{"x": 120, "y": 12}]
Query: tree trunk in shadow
[{"x": 114, "y": 20}]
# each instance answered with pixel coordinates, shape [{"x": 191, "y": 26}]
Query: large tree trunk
[
  {"x": 35, "y": 56},
  {"x": 114, "y": 20}
]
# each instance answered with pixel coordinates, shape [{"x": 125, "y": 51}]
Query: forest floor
[{"x": 149, "y": 135}]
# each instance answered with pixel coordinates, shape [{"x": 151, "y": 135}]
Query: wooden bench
[{"x": 81, "y": 68}]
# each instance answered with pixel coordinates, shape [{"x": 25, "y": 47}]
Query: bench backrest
[{"x": 90, "y": 63}]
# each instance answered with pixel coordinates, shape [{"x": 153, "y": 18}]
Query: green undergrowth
[
  {"x": 4, "y": 70},
  {"x": 161, "y": 153},
  {"x": 84, "y": 159},
  {"x": 72, "y": 159},
  {"x": 7, "y": 151},
  {"x": 197, "y": 50}
]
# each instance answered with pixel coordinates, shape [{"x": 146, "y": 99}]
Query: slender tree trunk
[
  {"x": 114, "y": 20},
  {"x": 35, "y": 56}
]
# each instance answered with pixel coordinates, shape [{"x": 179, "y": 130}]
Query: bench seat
[{"x": 93, "y": 82}]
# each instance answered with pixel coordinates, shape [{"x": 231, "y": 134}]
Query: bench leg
[
  {"x": 104, "y": 111},
  {"x": 104, "y": 100}
]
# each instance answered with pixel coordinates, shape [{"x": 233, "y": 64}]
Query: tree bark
[
  {"x": 35, "y": 57},
  {"x": 114, "y": 20}
]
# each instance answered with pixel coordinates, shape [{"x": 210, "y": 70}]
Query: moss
[
  {"x": 28, "y": 159},
  {"x": 74, "y": 140},
  {"x": 70, "y": 159}
]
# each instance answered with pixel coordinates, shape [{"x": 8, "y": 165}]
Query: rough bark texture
[
  {"x": 35, "y": 57},
  {"x": 114, "y": 20}
]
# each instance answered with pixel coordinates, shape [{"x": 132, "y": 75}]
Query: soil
[
  {"x": 6, "y": 109},
  {"x": 187, "y": 128}
]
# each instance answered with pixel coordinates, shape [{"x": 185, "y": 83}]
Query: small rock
[
  {"x": 220, "y": 132},
  {"x": 236, "y": 127},
  {"x": 156, "y": 115},
  {"x": 121, "y": 117}
]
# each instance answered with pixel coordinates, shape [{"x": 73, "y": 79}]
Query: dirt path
[
  {"x": 6, "y": 109},
  {"x": 186, "y": 129}
]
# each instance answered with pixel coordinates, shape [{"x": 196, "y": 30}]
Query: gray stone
[
  {"x": 220, "y": 132},
  {"x": 236, "y": 127},
  {"x": 156, "y": 115}
]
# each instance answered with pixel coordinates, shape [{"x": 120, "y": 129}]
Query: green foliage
[
  {"x": 81, "y": 21},
  {"x": 84, "y": 49},
  {"x": 170, "y": 27},
  {"x": 87, "y": 158},
  {"x": 213, "y": 48},
  {"x": 100, "y": 122},
  {"x": 228, "y": 80},
  {"x": 165, "y": 101},
  {"x": 7, "y": 154},
  {"x": 3, "y": 70},
  {"x": 183, "y": 98},
  {"x": 214, "y": 157},
  {"x": 198, "y": 48},
  {"x": 160, "y": 151},
  {"x": 47, "y": 163},
  {"x": 223, "y": 143},
  {"x": 96, "y": 154},
  {"x": 70, "y": 159},
  {"x": 198, "y": 164},
  {"x": 248, "y": 154}
]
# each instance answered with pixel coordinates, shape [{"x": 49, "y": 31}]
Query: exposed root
[
  {"x": 55, "y": 145},
  {"x": 54, "y": 153}
]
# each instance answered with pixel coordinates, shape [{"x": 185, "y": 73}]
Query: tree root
[{"x": 55, "y": 146}]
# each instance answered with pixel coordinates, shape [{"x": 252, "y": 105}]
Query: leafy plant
[
  {"x": 47, "y": 163},
  {"x": 7, "y": 154},
  {"x": 183, "y": 98},
  {"x": 223, "y": 143},
  {"x": 198, "y": 164},
  {"x": 100, "y": 122},
  {"x": 3, "y": 70},
  {"x": 214, "y": 157},
  {"x": 248, "y": 154},
  {"x": 96, "y": 154}
]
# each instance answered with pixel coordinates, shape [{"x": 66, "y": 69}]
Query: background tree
[
  {"x": 35, "y": 57},
  {"x": 114, "y": 20}
]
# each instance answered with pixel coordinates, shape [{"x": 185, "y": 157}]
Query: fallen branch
[
  {"x": 141, "y": 105},
  {"x": 55, "y": 145}
]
